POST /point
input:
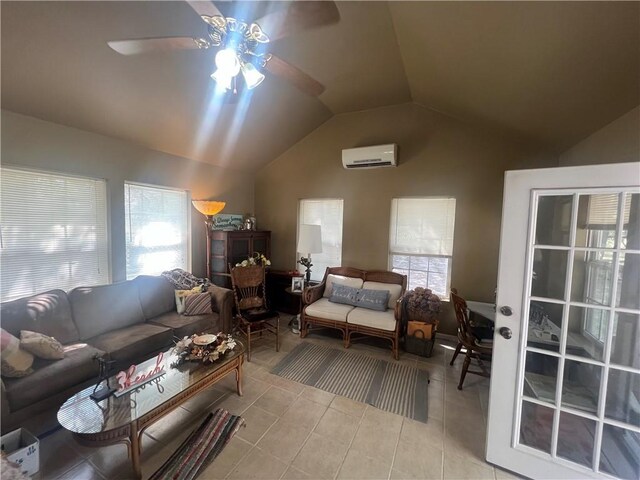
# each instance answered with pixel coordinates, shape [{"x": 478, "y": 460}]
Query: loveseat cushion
[
  {"x": 371, "y": 318},
  {"x": 184, "y": 326},
  {"x": 101, "y": 309},
  {"x": 393, "y": 288},
  {"x": 323, "y": 308},
  {"x": 132, "y": 344},
  {"x": 156, "y": 295},
  {"x": 52, "y": 377},
  {"x": 48, "y": 313},
  {"x": 340, "y": 280}
]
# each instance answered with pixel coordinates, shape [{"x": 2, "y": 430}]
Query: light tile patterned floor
[{"x": 298, "y": 432}]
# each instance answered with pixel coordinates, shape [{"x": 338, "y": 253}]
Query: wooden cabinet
[{"x": 233, "y": 247}]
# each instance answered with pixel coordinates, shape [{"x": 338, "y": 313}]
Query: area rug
[
  {"x": 201, "y": 447},
  {"x": 387, "y": 385}
]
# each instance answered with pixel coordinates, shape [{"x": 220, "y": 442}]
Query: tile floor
[{"x": 298, "y": 432}]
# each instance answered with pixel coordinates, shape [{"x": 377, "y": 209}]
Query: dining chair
[
  {"x": 253, "y": 316},
  {"x": 474, "y": 347}
]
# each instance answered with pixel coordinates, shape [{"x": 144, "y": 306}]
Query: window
[
  {"x": 54, "y": 232},
  {"x": 157, "y": 229},
  {"x": 328, "y": 214},
  {"x": 421, "y": 241}
]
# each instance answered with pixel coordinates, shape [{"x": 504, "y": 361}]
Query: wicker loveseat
[{"x": 319, "y": 311}]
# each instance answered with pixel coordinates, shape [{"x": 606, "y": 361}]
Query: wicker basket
[{"x": 421, "y": 337}]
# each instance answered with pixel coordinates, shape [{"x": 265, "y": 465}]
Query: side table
[{"x": 295, "y": 320}]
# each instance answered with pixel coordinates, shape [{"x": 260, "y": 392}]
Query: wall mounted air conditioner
[{"x": 370, "y": 157}]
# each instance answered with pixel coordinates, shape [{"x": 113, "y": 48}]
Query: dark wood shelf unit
[{"x": 231, "y": 247}]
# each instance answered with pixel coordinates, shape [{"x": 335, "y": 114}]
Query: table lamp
[{"x": 309, "y": 241}]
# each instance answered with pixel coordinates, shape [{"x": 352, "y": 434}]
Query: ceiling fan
[{"x": 243, "y": 47}]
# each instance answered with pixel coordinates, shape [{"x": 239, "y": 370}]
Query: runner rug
[
  {"x": 201, "y": 447},
  {"x": 389, "y": 386}
]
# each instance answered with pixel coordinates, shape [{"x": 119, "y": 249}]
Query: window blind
[
  {"x": 422, "y": 226},
  {"x": 157, "y": 229},
  {"x": 328, "y": 214},
  {"x": 603, "y": 210},
  {"x": 54, "y": 232}
]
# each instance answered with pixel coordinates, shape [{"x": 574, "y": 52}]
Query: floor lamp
[
  {"x": 309, "y": 241},
  {"x": 208, "y": 208}
]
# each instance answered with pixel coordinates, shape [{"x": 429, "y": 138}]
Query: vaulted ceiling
[{"x": 549, "y": 72}]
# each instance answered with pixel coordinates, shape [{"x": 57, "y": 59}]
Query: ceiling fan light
[
  {"x": 252, "y": 75},
  {"x": 227, "y": 62},
  {"x": 222, "y": 78}
]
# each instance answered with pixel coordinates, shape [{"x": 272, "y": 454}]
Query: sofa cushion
[
  {"x": 323, "y": 308},
  {"x": 372, "y": 299},
  {"x": 340, "y": 280},
  {"x": 130, "y": 345},
  {"x": 41, "y": 345},
  {"x": 344, "y": 294},
  {"x": 101, "y": 309},
  {"x": 371, "y": 318},
  {"x": 52, "y": 377},
  {"x": 48, "y": 313},
  {"x": 197, "y": 304},
  {"x": 186, "y": 326},
  {"x": 16, "y": 362},
  {"x": 155, "y": 294},
  {"x": 393, "y": 288}
]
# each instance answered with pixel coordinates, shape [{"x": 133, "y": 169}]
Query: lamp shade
[
  {"x": 310, "y": 239},
  {"x": 208, "y": 207}
]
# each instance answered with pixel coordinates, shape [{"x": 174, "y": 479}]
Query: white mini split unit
[{"x": 370, "y": 157}]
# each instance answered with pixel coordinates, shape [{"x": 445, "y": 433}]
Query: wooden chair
[
  {"x": 468, "y": 340},
  {"x": 252, "y": 312}
]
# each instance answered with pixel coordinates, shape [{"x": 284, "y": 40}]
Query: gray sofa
[{"x": 127, "y": 322}]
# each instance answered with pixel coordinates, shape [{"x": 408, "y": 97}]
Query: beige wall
[
  {"x": 617, "y": 142},
  {"x": 33, "y": 143},
  {"x": 438, "y": 156}
]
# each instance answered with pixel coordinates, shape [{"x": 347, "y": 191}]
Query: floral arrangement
[
  {"x": 421, "y": 304},
  {"x": 256, "y": 259},
  {"x": 191, "y": 348}
]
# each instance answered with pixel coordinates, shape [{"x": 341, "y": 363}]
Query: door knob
[
  {"x": 506, "y": 311},
  {"x": 505, "y": 332}
]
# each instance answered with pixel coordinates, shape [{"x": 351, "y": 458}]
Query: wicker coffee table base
[{"x": 131, "y": 434}]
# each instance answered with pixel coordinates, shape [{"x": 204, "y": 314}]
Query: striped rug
[
  {"x": 387, "y": 385},
  {"x": 201, "y": 447}
]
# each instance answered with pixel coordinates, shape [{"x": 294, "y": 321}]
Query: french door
[{"x": 565, "y": 381}]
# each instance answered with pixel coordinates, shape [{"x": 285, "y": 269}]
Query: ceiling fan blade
[
  {"x": 295, "y": 76},
  {"x": 147, "y": 45},
  {"x": 300, "y": 15},
  {"x": 205, "y": 8}
]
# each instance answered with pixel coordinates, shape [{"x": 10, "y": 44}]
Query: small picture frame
[{"x": 297, "y": 284}]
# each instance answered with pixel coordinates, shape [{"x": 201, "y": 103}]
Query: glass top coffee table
[{"x": 124, "y": 418}]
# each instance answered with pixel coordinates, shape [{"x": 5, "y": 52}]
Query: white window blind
[
  {"x": 603, "y": 211},
  {"x": 54, "y": 232},
  {"x": 157, "y": 229},
  {"x": 328, "y": 214},
  {"x": 421, "y": 241}
]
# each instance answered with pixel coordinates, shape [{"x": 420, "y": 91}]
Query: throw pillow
[
  {"x": 373, "y": 299},
  {"x": 197, "y": 304},
  {"x": 181, "y": 296},
  {"x": 41, "y": 345},
  {"x": 344, "y": 294},
  {"x": 15, "y": 361}
]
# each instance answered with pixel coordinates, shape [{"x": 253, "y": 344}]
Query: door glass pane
[
  {"x": 535, "y": 426},
  {"x": 619, "y": 452},
  {"x": 631, "y": 226},
  {"x": 592, "y": 278},
  {"x": 545, "y": 321},
  {"x": 597, "y": 220},
  {"x": 623, "y": 397},
  {"x": 587, "y": 332},
  {"x": 625, "y": 347},
  {"x": 581, "y": 386},
  {"x": 629, "y": 281},
  {"x": 549, "y": 273},
  {"x": 540, "y": 376},
  {"x": 553, "y": 220},
  {"x": 576, "y": 438}
]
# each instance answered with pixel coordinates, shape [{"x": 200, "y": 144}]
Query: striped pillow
[{"x": 197, "y": 304}]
